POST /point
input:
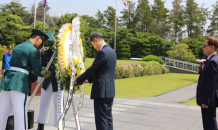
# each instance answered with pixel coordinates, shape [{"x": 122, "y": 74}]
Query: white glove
[{"x": 39, "y": 78}]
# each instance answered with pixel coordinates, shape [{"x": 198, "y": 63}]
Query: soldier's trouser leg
[
  {"x": 19, "y": 103},
  {"x": 55, "y": 97},
  {"x": 45, "y": 105},
  {"x": 5, "y": 108}
]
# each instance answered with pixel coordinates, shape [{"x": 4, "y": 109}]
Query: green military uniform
[
  {"x": 14, "y": 86},
  {"x": 46, "y": 55},
  {"x": 28, "y": 59},
  {"x": 50, "y": 88}
]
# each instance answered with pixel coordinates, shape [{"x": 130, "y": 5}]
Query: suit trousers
[
  {"x": 209, "y": 118},
  {"x": 17, "y": 101},
  {"x": 45, "y": 105},
  {"x": 103, "y": 113}
]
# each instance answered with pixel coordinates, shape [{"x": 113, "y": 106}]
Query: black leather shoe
[{"x": 40, "y": 127}]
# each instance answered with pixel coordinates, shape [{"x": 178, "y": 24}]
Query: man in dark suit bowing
[
  {"x": 101, "y": 74},
  {"x": 207, "y": 88}
]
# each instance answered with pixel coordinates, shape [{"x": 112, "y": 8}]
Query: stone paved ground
[{"x": 149, "y": 113}]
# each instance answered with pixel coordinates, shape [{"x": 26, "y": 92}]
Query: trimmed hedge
[{"x": 153, "y": 58}]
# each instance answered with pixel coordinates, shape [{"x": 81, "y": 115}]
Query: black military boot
[{"x": 40, "y": 127}]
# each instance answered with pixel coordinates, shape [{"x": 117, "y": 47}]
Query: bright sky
[{"x": 90, "y": 7}]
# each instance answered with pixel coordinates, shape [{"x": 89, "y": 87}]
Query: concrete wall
[{"x": 179, "y": 70}]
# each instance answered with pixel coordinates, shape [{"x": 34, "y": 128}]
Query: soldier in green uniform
[
  {"x": 14, "y": 86},
  {"x": 49, "y": 87}
]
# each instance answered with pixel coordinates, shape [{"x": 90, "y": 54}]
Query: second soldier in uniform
[{"x": 49, "y": 87}]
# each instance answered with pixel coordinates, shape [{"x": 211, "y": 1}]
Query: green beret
[
  {"x": 40, "y": 33},
  {"x": 50, "y": 35}
]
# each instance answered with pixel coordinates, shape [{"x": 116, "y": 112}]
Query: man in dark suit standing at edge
[
  {"x": 207, "y": 88},
  {"x": 101, "y": 74}
]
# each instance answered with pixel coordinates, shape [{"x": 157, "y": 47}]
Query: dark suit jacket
[
  {"x": 101, "y": 73},
  {"x": 207, "y": 88}
]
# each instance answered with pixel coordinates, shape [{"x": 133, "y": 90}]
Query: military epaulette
[{"x": 45, "y": 49}]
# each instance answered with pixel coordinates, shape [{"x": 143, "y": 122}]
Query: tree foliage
[
  {"x": 109, "y": 15},
  {"x": 128, "y": 15},
  {"x": 142, "y": 29},
  {"x": 100, "y": 23},
  {"x": 213, "y": 27},
  {"x": 144, "y": 16},
  {"x": 181, "y": 52},
  {"x": 123, "y": 49},
  {"x": 193, "y": 18},
  {"x": 176, "y": 17},
  {"x": 16, "y": 8},
  {"x": 13, "y": 25},
  {"x": 160, "y": 17}
]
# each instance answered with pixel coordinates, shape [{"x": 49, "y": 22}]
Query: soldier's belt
[{"x": 19, "y": 69}]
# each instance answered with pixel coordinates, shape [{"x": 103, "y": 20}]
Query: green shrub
[
  {"x": 2, "y": 52},
  {"x": 127, "y": 73},
  {"x": 122, "y": 73},
  {"x": 149, "y": 68},
  {"x": 164, "y": 69},
  {"x": 137, "y": 72},
  {"x": 153, "y": 58},
  {"x": 119, "y": 73},
  {"x": 153, "y": 67}
]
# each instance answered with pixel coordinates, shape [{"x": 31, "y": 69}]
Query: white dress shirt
[
  {"x": 103, "y": 46},
  {"x": 210, "y": 56}
]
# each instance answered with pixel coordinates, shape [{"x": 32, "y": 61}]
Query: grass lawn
[
  {"x": 88, "y": 62},
  {"x": 148, "y": 86},
  {"x": 191, "y": 102}
]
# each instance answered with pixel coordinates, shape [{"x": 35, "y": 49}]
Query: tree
[
  {"x": 176, "y": 17},
  {"x": 144, "y": 16},
  {"x": 67, "y": 18},
  {"x": 128, "y": 13},
  {"x": 110, "y": 17},
  {"x": 159, "y": 46},
  {"x": 52, "y": 22},
  {"x": 181, "y": 52},
  {"x": 100, "y": 19},
  {"x": 195, "y": 45},
  {"x": 9, "y": 40},
  {"x": 160, "y": 15},
  {"x": 203, "y": 19},
  {"x": 13, "y": 25},
  {"x": 91, "y": 21},
  {"x": 213, "y": 27},
  {"x": 139, "y": 45},
  {"x": 40, "y": 26},
  {"x": 193, "y": 18},
  {"x": 40, "y": 13},
  {"x": 89, "y": 49},
  {"x": 108, "y": 34},
  {"x": 15, "y": 8},
  {"x": 123, "y": 49}
]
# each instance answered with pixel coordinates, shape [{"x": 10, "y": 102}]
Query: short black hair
[
  {"x": 97, "y": 35},
  {"x": 34, "y": 35}
]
